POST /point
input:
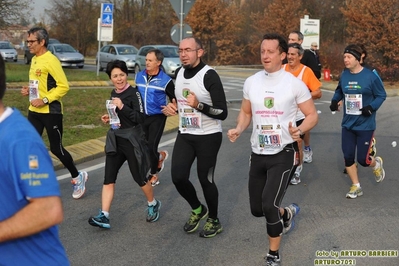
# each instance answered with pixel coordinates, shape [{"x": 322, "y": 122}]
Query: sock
[
  {"x": 357, "y": 184},
  {"x": 274, "y": 253},
  {"x": 106, "y": 214},
  {"x": 307, "y": 148},
  {"x": 198, "y": 210},
  {"x": 377, "y": 165},
  {"x": 152, "y": 203}
]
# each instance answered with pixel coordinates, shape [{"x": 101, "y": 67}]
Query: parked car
[
  {"x": 123, "y": 52},
  {"x": 8, "y": 52},
  {"x": 68, "y": 56},
  {"x": 170, "y": 62},
  {"x": 28, "y": 56}
]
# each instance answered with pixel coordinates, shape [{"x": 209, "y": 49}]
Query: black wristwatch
[
  {"x": 200, "y": 106},
  {"x": 45, "y": 100}
]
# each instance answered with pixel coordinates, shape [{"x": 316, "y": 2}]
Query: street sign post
[
  {"x": 181, "y": 7},
  {"x": 177, "y": 35},
  {"x": 105, "y": 27},
  {"x": 310, "y": 29}
]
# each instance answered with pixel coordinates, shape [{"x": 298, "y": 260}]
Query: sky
[{"x": 39, "y": 6}]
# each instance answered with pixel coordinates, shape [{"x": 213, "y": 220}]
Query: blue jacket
[
  {"x": 152, "y": 91},
  {"x": 370, "y": 87}
]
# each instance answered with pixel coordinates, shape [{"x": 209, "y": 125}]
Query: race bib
[
  {"x": 269, "y": 137},
  {"x": 33, "y": 89},
  {"x": 190, "y": 120},
  {"x": 113, "y": 116},
  {"x": 353, "y": 104}
]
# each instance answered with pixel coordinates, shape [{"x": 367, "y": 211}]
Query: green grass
[
  {"x": 20, "y": 73},
  {"x": 82, "y": 107}
]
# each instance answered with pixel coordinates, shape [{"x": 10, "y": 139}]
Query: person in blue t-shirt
[
  {"x": 362, "y": 93},
  {"x": 29, "y": 193}
]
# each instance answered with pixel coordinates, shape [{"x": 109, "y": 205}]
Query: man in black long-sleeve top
[{"x": 308, "y": 58}]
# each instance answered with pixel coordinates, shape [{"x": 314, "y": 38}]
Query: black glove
[
  {"x": 367, "y": 110},
  {"x": 334, "y": 106}
]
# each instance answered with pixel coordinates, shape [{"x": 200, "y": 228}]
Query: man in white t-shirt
[{"x": 272, "y": 110}]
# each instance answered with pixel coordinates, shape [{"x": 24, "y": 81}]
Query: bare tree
[
  {"x": 12, "y": 11},
  {"x": 375, "y": 24}
]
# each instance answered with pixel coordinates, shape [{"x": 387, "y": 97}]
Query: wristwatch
[
  {"x": 200, "y": 106},
  {"x": 45, "y": 100}
]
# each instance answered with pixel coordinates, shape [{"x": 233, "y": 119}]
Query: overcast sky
[{"x": 39, "y": 7}]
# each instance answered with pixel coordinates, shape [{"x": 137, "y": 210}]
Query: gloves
[
  {"x": 334, "y": 106},
  {"x": 367, "y": 110}
]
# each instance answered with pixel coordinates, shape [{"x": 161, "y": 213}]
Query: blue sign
[
  {"x": 107, "y": 8},
  {"x": 106, "y": 14},
  {"x": 106, "y": 20}
]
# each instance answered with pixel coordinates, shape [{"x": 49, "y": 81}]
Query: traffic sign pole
[{"x": 105, "y": 21}]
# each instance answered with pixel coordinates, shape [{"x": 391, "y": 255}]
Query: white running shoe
[{"x": 79, "y": 185}]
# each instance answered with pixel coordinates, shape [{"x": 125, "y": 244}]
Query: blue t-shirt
[
  {"x": 26, "y": 171},
  {"x": 357, "y": 91}
]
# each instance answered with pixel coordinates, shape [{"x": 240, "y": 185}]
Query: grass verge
[
  {"x": 20, "y": 73},
  {"x": 83, "y": 109}
]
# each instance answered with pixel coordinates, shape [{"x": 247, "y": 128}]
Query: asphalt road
[{"x": 327, "y": 220}]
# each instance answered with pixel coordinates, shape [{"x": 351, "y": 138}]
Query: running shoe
[
  {"x": 307, "y": 155},
  {"x": 354, "y": 192},
  {"x": 379, "y": 172},
  {"x": 161, "y": 163},
  {"x": 153, "y": 212},
  {"x": 211, "y": 228},
  {"x": 296, "y": 179},
  {"x": 272, "y": 260},
  {"x": 373, "y": 148},
  {"x": 153, "y": 178},
  {"x": 78, "y": 184},
  {"x": 292, "y": 209},
  {"x": 193, "y": 221},
  {"x": 100, "y": 220}
]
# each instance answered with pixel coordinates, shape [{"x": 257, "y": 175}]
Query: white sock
[
  {"x": 377, "y": 165},
  {"x": 357, "y": 184},
  {"x": 106, "y": 214},
  {"x": 152, "y": 203}
]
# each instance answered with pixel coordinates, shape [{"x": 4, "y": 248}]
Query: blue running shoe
[
  {"x": 100, "y": 220},
  {"x": 153, "y": 212},
  {"x": 292, "y": 209}
]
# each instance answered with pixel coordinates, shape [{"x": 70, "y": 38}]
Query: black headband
[{"x": 355, "y": 53}]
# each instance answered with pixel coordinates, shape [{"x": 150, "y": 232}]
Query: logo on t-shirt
[
  {"x": 186, "y": 92},
  {"x": 33, "y": 162},
  {"x": 269, "y": 102},
  {"x": 38, "y": 72}
]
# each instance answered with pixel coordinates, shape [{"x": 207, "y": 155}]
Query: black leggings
[
  {"x": 125, "y": 152},
  {"x": 153, "y": 128},
  {"x": 269, "y": 176},
  {"x": 205, "y": 148},
  {"x": 54, "y": 128}
]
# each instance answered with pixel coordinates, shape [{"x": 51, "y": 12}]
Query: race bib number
[
  {"x": 353, "y": 104},
  {"x": 269, "y": 137},
  {"x": 113, "y": 116},
  {"x": 33, "y": 90},
  {"x": 190, "y": 120}
]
